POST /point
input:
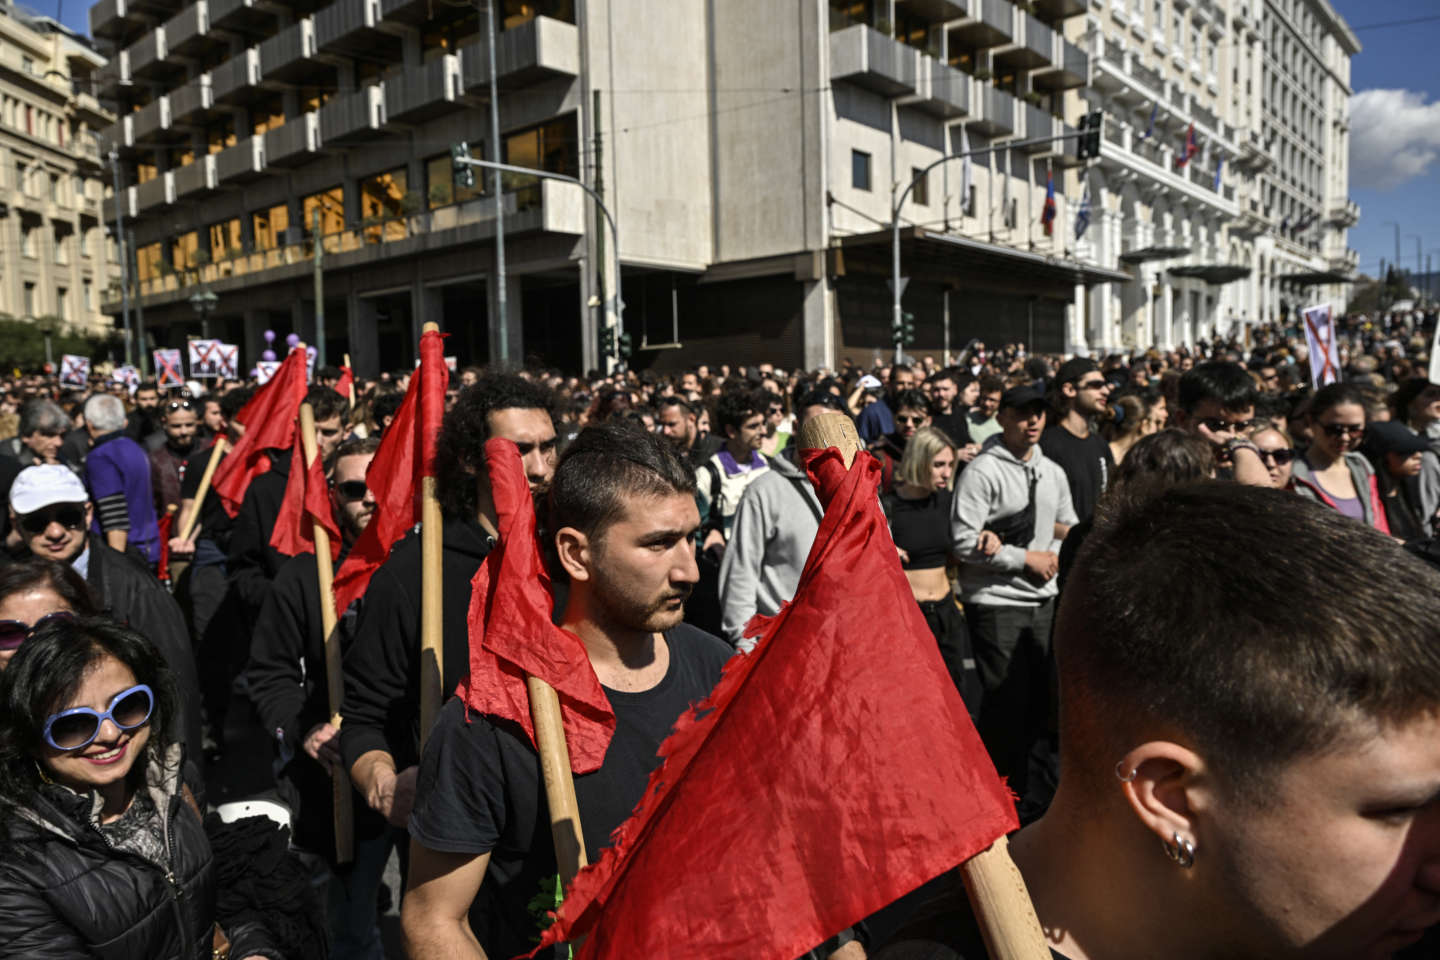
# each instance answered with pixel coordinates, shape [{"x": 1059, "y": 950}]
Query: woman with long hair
[
  {"x": 34, "y": 591},
  {"x": 1129, "y": 423},
  {"x": 1332, "y": 470},
  {"x": 102, "y": 849}
]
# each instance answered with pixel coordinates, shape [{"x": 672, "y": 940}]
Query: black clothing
[
  {"x": 215, "y": 523},
  {"x": 167, "y": 472},
  {"x": 287, "y": 686},
  {"x": 1088, "y": 465},
  {"x": 75, "y": 447},
  {"x": 127, "y": 591},
  {"x": 1400, "y": 498},
  {"x": 65, "y": 892},
  {"x": 952, "y": 636},
  {"x": 139, "y": 424},
  {"x": 955, "y": 425},
  {"x": 480, "y": 788},
  {"x": 9, "y": 469},
  {"x": 921, "y": 528},
  {"x": 253, "y": 563},
  {"x": 941, "y": 926},
  {"x": 703, "y": 449},
  {"x": 382, "y": 665},
  {"x": 1014, "y": 656}
]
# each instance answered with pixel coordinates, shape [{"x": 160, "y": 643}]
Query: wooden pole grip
[
  {"x": 559, "y": 783},
  {"x": 216, "y": 452},
  {"x": 1002, "y": 905},
  {"x": 831, "y": 430},
  {"x": 432, "y": 641}
]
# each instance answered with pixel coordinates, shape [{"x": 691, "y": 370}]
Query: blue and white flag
[
  {"x": 1219, "y": 165},
  {"x": 1150, "y": 127},
  {"x": 1082, "y": 217}
]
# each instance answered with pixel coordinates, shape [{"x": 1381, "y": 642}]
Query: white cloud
[{"x": 1394, "y": 137}]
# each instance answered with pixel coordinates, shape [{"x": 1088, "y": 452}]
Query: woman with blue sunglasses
[{"x": 102, "y": 849}]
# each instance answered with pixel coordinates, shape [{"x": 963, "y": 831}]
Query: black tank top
[{"x": 921, "y": 528}]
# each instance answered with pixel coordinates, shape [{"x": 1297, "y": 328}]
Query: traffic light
[
  {"x": 904, "y": 331},
  {"x": 622, "y": 347},
  {"x": 459, "y": 159},
  {"x": 1087, "y": 144}
]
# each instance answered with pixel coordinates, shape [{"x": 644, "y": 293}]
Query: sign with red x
[
  {"x": 167, "y": 369},
  {"x": 74, "y": 371},
  {"x": 205, "y": 359},
  {"x": 227, "y": 361},
  {"x": 1324, "y": 348}
]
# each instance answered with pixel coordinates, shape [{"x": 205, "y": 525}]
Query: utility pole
[
  {"x": 599, "y": 259},
  {"x": 139, "y": 309},
  {"x": 124, "y": 257},
  {"x": 1396, "y": 261},
  {"x": 319, "y": 292},
  {"x": 500, "y": 292}
]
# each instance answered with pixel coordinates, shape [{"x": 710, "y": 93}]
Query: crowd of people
[{"x": 1184, "y": 595}]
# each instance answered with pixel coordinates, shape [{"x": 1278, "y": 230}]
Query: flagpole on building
[{"x": 334, "y": 679}]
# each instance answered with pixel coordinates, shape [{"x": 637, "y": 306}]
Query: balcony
[
  {"x": 353, "y": 116},
  {"x": 191, "y": 100},
  {"x": 350, "y": 28},
  {"x": 1039, "y": 123},
  {"x": 935, "y": 11},
  {"x": 186, "y": 33},
  {"x": 242, "y": 162},
  {"x": 1071, "y": 68},
  {"x": 1345, "y": 214},
  {"x": 1053, "y": 10},
  {"x": 114, "y": 75},
  {"x": 127, "y": 205},
  {"x": 116, "y": 21},
  {"x": 158, "y": 191},
  {"x": 988, "y": 23},
  {"x": 996, "y": 114},
  {"x": 117, "y": 134},
  {"x": 1347, "y": 262},
  {"x": 147, "y": 56},
  {"x": 1034, "y": 47},
  {"x": 534, "y": 51},
  {"x": 151, "y": 122},
  {"x": 944, "y": 91},
  {"x": 247, "y": 15},
  {"x": 423, "y": 92},
  {"x": 1206, "y": 118},
  {"x": 294, "y": 143},
  {"x": 289, "y": 56},
  {"x": 1147, "y": 76},
  {"x": 235, "y": 80},
  {"x": 870, "y": 59},
  {"x": 198, "y": 177}
]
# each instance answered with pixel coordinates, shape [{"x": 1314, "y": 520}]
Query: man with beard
[
  {"x": 287, "y": 682},
  {"x": 145, "y": 418},
  {"x": 167, "y": 462},
  {"x": 622, "y": 508},
  {"x": 877, "y": 419},
  {"x": 1080, "y": 393},
  {"x": 676, "y": 419}
]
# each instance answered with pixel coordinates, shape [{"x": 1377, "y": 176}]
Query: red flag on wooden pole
[
  {"x": 832, "y": 770},
  {"x": 269, "y": 420},
  {"x": 511, "y": 634},
  {"x": 306, "y": 503},
  {"x": 345, "y": 386},
  {"x": 407, "y": 452}
]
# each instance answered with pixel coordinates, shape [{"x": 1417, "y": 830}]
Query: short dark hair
[
  {"x": 604, "y": 464},
  {"x": 460, "y": 447},
  {"x": 148, "y": 385},
  {"x": 1256, "y": 623},
  {"x": 735, "y": 407},
  {"x": 327, "y": 373},
  {"x": 46, "y": 671},
  {"x": 820, "y": 398},
  {"x": 1219, "y": 380},
  {"x": 898, "y": 369},
  {"x": 674, "y": 400},
  {"x": 233, "y": 401},
  {"x": 61, "y": 578},
  {"x": 327, "y": 402},
  {"x": 990, "y": 383},
  {"x": 913, "y": 399},
  {"x": 1166, "y": 458}
]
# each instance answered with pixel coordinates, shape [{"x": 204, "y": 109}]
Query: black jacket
[
  {"x": 128, "y": 592},
  {"x": 382, "y": 667},
  {"x": 253, "y": 563},
  {"x": 287, "y": 678},
  {"x": 66, "y": 893}
]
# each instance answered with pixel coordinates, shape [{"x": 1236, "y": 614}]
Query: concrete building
[
  {"x": 750, "y": 151},
  {"x": 1220, "y": 206},
  {"x": 55, "y": 257}
]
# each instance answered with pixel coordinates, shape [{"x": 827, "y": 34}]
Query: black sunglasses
[
  {"x": 15, "y": 632},
  {"x": 1281, "y": 456},
  {"x": 1338, "y": 430},
  {"x": 351, "y": 490},
  {"x": 68, "y": 515}
]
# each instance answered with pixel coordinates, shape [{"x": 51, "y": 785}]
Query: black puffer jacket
[{"x": 65, "y": 892}]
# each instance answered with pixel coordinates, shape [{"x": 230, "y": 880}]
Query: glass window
[
  {"x": 62, "y": 303},
  {"x": 860, "y": 170},
  {"x": 331, "y": 205},
  {"x": 270, "y": 226},
  {"x": 62, "y": 247},
  {"x": 89, "y": 292},
  {"x": 183, "y": 250},
  {"x": 267, "y": 114},
  {"x": 220, "y": 134},
  {"x": 921, "y": 191},
  {"x": 29, "y": 299},
  {"x": 224, "y": 239},
  {"x": 147, "y": 261},
  {"x": 29, "y": 242},
  {"x": 442, "y": 188},
  {"x": 551, "y": 146},
  {"x": 384, "y": 199},
  {"x": 515, "y": 13},
  {"x": 848, "y": 13}
]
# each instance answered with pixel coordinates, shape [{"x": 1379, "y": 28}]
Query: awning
[
  {"x": 1310, "y": 278},
  {"x": 1217, "y": 274},
  {"x": 1158, "y": 252}
]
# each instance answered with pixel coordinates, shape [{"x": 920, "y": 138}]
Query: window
[
  {"x": 225, "y": 239},
  {"x": 384, "y": 199},
  {"x": 54, "y": 188},
  {"x": 270, "y": 226},
  {"x": 62, "y": 246},
  {"x": 147, "y": 262},
  {"x": 62, "y": 303},
  {"x": 29, "y": 299},
  {"x": 331, "y": 205},
  {"x": 20, "y": 176},
  {"x": 27, "y": 64},
  {"x": 1157, "y": 22},
  {"x": 88, "y": 290},
  {"x": 442, "y": 188},
  {"x": 183, "y": 251},
  {"x": 515, "y": 13},
  {"x": 28, "y": 243},
  {"x": 860, "y": 170},
  {"x": 920, "y": 193},
  {"x": 550, "y": 146}
]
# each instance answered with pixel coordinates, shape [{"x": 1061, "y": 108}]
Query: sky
[{"x": 1394, "y": 128}]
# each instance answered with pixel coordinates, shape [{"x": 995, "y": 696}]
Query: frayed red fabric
[
  {"x": 831, "y": 771},
  {"x": 307, "y": 499},
  {"x": 269, "y": 420},
  {"x": 511, "y": 634},
  {"x": 406, "y": 455}
]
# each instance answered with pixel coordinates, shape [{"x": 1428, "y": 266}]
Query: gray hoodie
[
  {"x": 775, "y": 526},
  {"x": 997, "y": 485}
]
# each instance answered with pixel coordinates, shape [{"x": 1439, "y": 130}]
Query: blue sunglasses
[{"x": 77, "y": 728}]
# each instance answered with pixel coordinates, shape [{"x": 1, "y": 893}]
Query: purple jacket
[{"x": 118, "y": 471}]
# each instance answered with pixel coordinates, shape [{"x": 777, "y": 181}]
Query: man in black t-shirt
[
  {"x": 1079, "y": 394},
  {"x": 622, "y": 508}
]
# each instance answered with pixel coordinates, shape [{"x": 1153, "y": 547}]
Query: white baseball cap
[{"x": 40, "y": 486}]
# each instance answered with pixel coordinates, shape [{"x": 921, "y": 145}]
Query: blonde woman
[{"x": 919, "y": 513}]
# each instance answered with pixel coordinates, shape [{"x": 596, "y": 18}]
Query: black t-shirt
[
  {"x": 954, "y": 425},
  {"x": 215, "y": 523},
  {"x": 480, "y": 789},
  {"x": 1087, "y": 463},
  {"x": 921, "y": 528}
]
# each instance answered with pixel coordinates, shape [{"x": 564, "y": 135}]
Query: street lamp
[{"x": 203, "y": 304}]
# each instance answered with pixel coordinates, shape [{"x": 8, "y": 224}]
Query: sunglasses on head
[
  {"x": 77, "y": 728},
  {"x": 71, "y": 516},
  {"x": 1338, "y": 430},
  {"x": 180, "y": 405},
  {"x": 15, "y": 632},
  {"x": 351, "y": 490}
]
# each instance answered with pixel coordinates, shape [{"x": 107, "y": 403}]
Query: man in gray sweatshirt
[{"x": 1013, "y": 491}]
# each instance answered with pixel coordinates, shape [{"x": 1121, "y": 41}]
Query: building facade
[{"x": 55, "y": 257}]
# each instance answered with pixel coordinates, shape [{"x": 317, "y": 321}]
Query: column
[
  {"x": 818, "y": 338},
  {"x": 1163, "y": 335},
  {"x": 254, "y": 339},
  {"x": 426, "y": 304},
  {"x": 364, "y": 334},
  {"x": 1077, "y": 340}
]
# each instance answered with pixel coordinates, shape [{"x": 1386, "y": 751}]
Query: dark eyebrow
[{"x": 661, "y": 536}]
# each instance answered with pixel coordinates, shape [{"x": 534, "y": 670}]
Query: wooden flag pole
[
  {"x": 216, "y": 452},
  {"x": 432, "y": 552},
  {"x": 334, "y": 680},
  {"x": 996, "y": 889},
  {"x": 565, "y": 828}
]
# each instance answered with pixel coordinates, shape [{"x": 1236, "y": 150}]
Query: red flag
[
  {"x": 510, "y": 630},
  {"x": 1191, "y": 147},
  {"x": 307, "y": 499},
  {"x": 269, "y": 420},
  {"x": 836, "y": 769},
  {"x": 345, "y": 383},
  {"x": 165, "y": 523},
  {"x": 407, "y": 452}
]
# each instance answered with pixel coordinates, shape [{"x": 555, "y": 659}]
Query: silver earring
[
  {"x": 1182, "y": 851},
  {"x": 1120, "y": 773}
]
